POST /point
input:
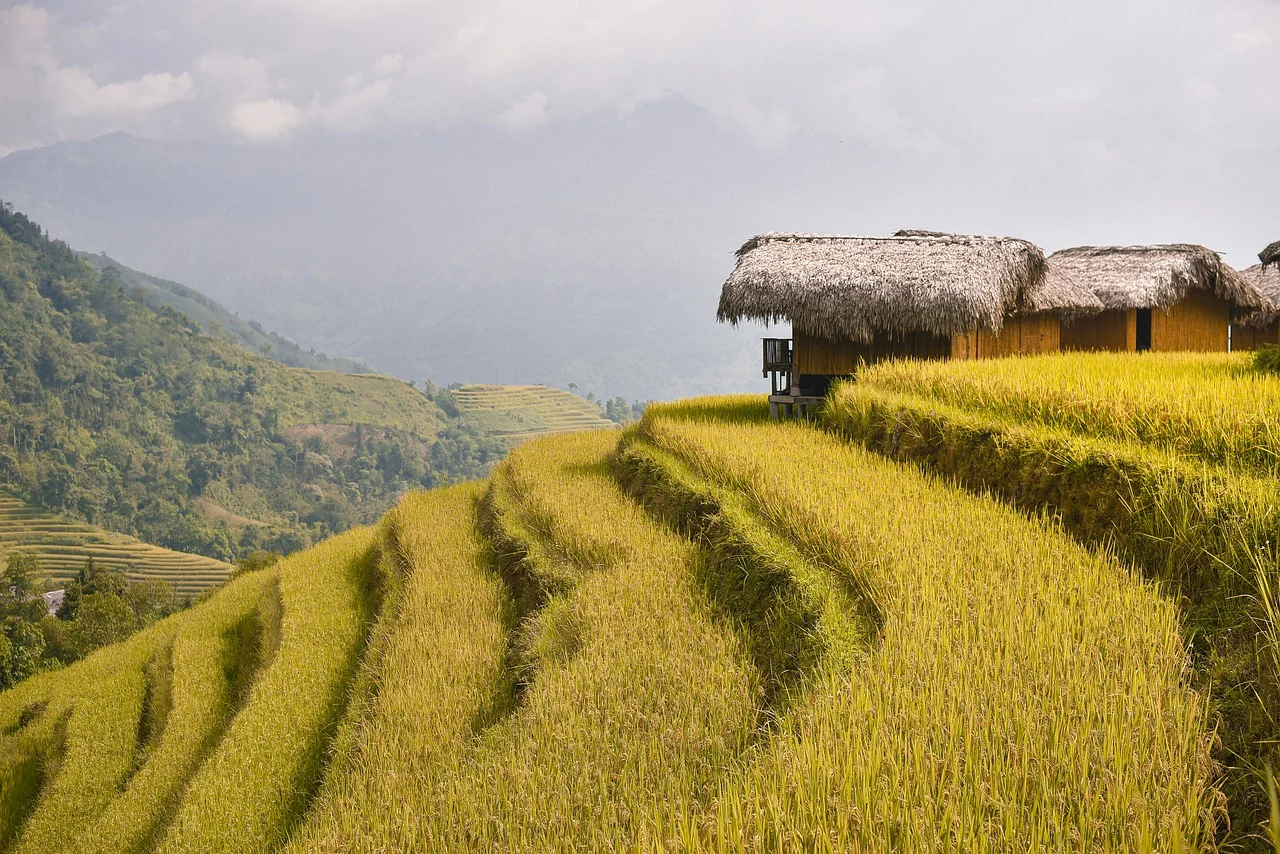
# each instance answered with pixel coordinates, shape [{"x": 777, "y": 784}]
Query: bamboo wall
[
  {"x": 1200, "y": 323},
  {"x": 1109, "y": 330},
  {"x": 1020, "y": 336},
  {"x": 813, "y": 354},
  {"x": 1249, "y": 338}
]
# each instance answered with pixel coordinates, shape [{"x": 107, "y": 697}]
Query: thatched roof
[
  {"x": 1266, "y": 278},
  {"x": 852, "y": 287},
  {"x": 1125, "y": 277},
  {"x": 1270, "y": 255}
]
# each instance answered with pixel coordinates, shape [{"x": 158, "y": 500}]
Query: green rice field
[
  {"x": 515, "y": 413},
  {"x": 64, "y": 546}
]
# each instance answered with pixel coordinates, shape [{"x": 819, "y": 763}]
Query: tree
[
  {"x": 101, "y": 619},
  {"x": 150, "y": 599},
  {"x": 20, "y": 571},
  {"x": 21, "y": 650}
]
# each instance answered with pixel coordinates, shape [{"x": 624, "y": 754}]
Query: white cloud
[
  {"x": 264, "y": 120},
  {"x": 80, "y": 95}
]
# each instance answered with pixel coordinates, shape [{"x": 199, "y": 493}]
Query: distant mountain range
[{"x": 217, "y": 321}]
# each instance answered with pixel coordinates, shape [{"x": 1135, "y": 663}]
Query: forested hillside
[
  {"x": 217, "y": 320},
  {"x": 124, "y": 415}
]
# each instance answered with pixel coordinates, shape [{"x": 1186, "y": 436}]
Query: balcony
[{"x": 778, "y": 364}]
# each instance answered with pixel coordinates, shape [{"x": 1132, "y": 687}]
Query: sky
[{"x": 606, "y": 157}]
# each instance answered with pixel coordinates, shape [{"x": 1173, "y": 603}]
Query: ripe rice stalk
[
  {"x": 206, "y": 671},
  {"x": 260, "y": 777},
  {"x": 1025, "y": 692}
]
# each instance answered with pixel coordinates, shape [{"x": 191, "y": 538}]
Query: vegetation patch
[
  {"x": 1026, "y": 691},
  {"x": 793, "y": 618},
  {"x": 1205, "y": 531}
]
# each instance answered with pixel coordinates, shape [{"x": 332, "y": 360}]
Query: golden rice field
[
  {"x": 709, "y": 632},
  {"x": 64, "y": 545},
  {"x": 516, "y": 413}
]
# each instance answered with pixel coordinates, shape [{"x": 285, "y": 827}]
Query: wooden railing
[{"x": 778, "y": 364}]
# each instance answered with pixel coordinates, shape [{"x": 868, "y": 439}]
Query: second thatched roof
[
  {"x": 1270, "y": 255},
  {"x": 1126, "y": 277},
  {"x": 1266, "y": 278},
  {"x": 853, "y": 287}
]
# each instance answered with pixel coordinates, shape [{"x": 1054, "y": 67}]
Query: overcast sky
[
  {"x": 1066, "y": 123},
  {"x": 1097, "y": 84}
]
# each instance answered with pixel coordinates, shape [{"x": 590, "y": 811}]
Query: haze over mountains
[
  {"x": 486, "y": 194},
  {"x": 590, "y": 252}
]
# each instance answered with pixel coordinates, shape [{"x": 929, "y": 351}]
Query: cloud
[
  {"x": 527, "y": 113},
  {"x": 265, "y": 120},
  {"x": 918, "y": 77},
  {"x": 80, "y": 95}
]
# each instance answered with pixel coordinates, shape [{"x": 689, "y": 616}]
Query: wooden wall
[
  {"x": 813, "y": 354},
  {"x": 1198, "y": 323},
  {"x": 1248, "y": 338},
  {"x": 1020, "y": 336},
  {"x": 1109, "y": 330}
]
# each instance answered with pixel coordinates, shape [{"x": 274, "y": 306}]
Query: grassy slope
[
  {"x": 755, "y": 655},
  {"x": 213, "y": 318},
  {"x": 523, "y": 412},
  {"x": 64, "y": 545},
  {"x": 326, "y": 397},
  {"x": 1169, "y": 457}
]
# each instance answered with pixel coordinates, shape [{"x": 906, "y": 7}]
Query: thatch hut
[
  {"x": 1168, "y": 297},
  {"x": 852, "y": 300},
  {"x": 1270, "y": 255},
  {"x": 1252, "y": 330}
]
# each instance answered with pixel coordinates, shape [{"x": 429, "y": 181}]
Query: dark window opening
[
  {"x": 815, "y": 385},
  {"x": 1144, "y": 329}
]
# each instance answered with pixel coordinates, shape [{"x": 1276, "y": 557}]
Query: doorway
[{"x": 1144, "y": 330}]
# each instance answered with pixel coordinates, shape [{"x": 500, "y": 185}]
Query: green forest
[{"x": 127, "y": 416}]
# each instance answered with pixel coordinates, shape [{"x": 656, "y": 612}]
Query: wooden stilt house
[
  {"x": 1167, "y": 297},
  {"x": 1252, "y": 330},
  {"x": 928, "y": 295}
]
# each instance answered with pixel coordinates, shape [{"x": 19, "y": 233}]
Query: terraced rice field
[
  {"x": 1170, "y": 458},
  {"x": 670, "y": 638},
  {"x": 520, "y": 412},
  {"x": 63, "y": 546}
]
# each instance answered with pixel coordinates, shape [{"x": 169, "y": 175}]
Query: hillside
[
  {"x": 520, "y": 412},
  {"x": 216, "y": 320},
  {"x": 714, "y": 632},
  {"x": 63, "y": 546},
  {"x": 125, "y": 416}
]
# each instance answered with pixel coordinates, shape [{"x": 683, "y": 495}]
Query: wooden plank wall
[
  {"x": 1110, "y": 330},
  {"x": 1039, "y": 333},
  {"x": 1248, "y": 338},
  {"x": 1198, "y": 323},
  {"x": 813, "y": 354}
]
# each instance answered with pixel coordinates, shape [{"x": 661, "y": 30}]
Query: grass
[
  {"x": 208, "y": 667},
  {"x": 258, "y": 781},
  {"x": 634, "y": 698},
  {"x": 1205, "y": 529},
  {"x": 710, "y": 632},
  {"x": 223, "y": 711},
  {"x": 1025, "y": 691},
  {"x": 1213, "y": 406},
  {"x": 64, "y": 546},
  {"x": 326, "y": 397}
]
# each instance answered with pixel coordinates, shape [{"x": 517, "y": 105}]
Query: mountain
[
  {"x": 401, "y": 254},
  {"x": 125, "y": 415},
  {"x": 216, "y": 320}
]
